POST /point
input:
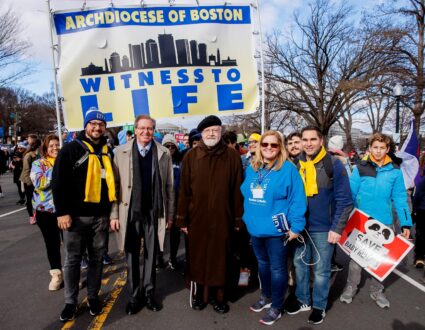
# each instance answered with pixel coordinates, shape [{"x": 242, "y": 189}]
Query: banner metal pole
[
  {"x": 263, "y": 106},
  {"x": 49, "y": 12}
]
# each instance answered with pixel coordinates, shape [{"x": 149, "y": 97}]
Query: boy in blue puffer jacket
[{"x": 377, "y": 185}]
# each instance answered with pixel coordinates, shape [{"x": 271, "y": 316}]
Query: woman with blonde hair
[{"x": 274, "y": 207}]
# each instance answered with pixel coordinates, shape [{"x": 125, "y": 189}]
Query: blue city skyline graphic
[{"x": 165, "y": 53}]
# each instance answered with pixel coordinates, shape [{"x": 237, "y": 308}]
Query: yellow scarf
[
  {"x": 94, "y": 176},
  {"x": 308, "y": 173},
  {"x": 51, "y": 160}
]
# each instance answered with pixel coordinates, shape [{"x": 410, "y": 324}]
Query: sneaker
[
  {"x": 106, "y": 259},
  {"x": 317, "y": 316},
  {"x": 84, "y": 263},
  {"x": 336, "y": 268},
  {"x": 272, "y": 315},
  {"x": 95, "y": 307},
  {"x": 244, "y": 277},
  {"x": 348, "y": 294},
  {"x": 262, "y": 303},
  {"x": 380, "y": 299},
  {"x": 68, "y": 312},
  {"x": 419, "y": 263},
  {"x": 172, "y": 264},
  {"x": 297, "y": 308}
]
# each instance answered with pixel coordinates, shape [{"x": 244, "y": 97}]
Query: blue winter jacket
[
  {"x": 283, "y": 193},
  {"x": 377, "y": 189},
  {"x": 330, "y": 209}
]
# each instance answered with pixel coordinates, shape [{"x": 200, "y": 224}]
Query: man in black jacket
[{"x": 83, "y": 192}]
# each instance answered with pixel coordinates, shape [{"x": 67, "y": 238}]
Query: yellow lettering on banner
[
  {"x": 182, "y": 15},
  {"x": 203, "y": 14},
  {"x": 80, "y": 21},
  {"x": 213, "y": 14},
  {"x": 194, "y": 16},
  {"x": 117, "y": 16},
  {"x": 143, "y": 17},
  {"x": 125, "y": 16},
  {"x": 69, "y": 25},
  {"x": 109, "y": 17},
  {"x": 89, "y": 20},
  {"x": 237, "y": 15},
  {"x": 220, "y": 13},
  {"x": 173, "y": 16},
  {"x": 152, "y": 17},
  {"x": 99, "y": 18},
  {"x": 135, "y": 16},
  {"x": 228, "y": 14},
  {"x": 160, "y": 16}
]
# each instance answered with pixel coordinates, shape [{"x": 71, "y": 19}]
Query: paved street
[{"x": 27, "y": 304}]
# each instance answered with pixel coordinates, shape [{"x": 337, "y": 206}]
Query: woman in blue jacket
[
  {"x": 377, "y": 185},
  {"x": 274, "y": 194}
]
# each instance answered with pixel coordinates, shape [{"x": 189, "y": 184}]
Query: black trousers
[
  {"x": 29, "y": 190},
  {"x": 175, "y": 234},
  {"x": 420, "y": 234},
  {"x": 48, "y": 225},
  {"x": 145, "y": 227},
  {"x": 20, "y": 192}
]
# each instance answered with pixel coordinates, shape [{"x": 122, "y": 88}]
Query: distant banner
[
  {"x": 166, "y": 62},
  {"x": 373, "y": 245}
]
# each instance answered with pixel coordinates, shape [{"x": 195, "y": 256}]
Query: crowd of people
[{"x": 277, "y": 208}]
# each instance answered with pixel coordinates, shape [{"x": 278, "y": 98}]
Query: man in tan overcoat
[
  {"x": 144, "y": 182},
  {"x": 210, "y": 207}
]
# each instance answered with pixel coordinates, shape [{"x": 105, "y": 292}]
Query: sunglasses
[
  {"x": 272, "y": 145},
  {"x": 170, "y": 146}
]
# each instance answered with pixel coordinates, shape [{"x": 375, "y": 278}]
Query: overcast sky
[{"x": 34, "y": 19}]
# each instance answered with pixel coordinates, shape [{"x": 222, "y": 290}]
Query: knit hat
[
  {"x": 255, "y": 137},
  {"x": 208, "y": 122},
  {"x": 336, "y": 142},
  {"x": 194, "y": 135},
  {"x": 93, "y": 114},
  {"x": 168, "y": 138}
]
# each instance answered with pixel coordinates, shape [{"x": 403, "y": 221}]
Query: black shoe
[
  {"x": 132, "y": 308},
  {"x": 68, "y": 312},
  {"x": 20, "y": 202},
  {"x": 95, "y": 307},
  {"x": 221, "y": 308},
  {"x": 198, "y": 305},
  {"x": 297, "y": 307},
  {"x": 336, "y": 267},
  {"x": 152, "y": 305},
  {"x": 317, "y": 316}
]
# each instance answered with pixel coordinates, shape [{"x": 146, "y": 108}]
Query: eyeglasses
[
  {"x": 100, "y": 124},
  {"x": 272, "y": 145},
  {"x": 170, "y": 146},
  {"x": 252, "y": 142}
]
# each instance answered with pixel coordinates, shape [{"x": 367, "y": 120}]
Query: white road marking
[
  {"x": 18, "y": 210},
  {"x": 410, "y": 280}
]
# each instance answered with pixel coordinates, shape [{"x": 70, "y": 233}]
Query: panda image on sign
[{"x": 378, "y": 232}]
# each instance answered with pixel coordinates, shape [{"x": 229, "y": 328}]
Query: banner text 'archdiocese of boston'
[{"x": 166, "y": 62}]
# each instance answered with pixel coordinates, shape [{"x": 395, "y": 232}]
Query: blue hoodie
[{"x": 283, "y": 193}]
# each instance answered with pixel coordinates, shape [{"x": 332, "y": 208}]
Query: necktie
[{"x": 143, "y": 152}]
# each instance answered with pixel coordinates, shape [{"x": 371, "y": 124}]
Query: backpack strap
[
  {"x": 328, "y": 161},
  {"x": 83, "y": 158}
]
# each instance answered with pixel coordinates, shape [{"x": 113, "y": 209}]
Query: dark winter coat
[{"x": 210, "y": 206}]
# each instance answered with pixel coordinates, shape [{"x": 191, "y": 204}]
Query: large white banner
[{"x": 167, "y": 62}]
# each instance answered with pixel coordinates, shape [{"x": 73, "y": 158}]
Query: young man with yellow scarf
[
  {"x": 329, "y": 205},
  {"x": 83, "y": 191},
  {"x": 377, "y": 186}
]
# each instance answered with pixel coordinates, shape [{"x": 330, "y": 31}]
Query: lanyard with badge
[{"x": 258, "y": 191}]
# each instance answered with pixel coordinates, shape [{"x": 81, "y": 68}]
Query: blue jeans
[
  {"x": 322, "y": 270},
  {"x": 271, "y": 257}
]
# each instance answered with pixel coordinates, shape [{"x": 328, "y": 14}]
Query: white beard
[{"x": 211, "y": 142}]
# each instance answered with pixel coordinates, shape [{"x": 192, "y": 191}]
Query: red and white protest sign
[
  {"x": 373, "y": 245},
  {"x": 179, "y": 137}
]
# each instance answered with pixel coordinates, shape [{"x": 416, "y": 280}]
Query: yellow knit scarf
[
  {"x": 308, "y": 173},
  {"x": 94, "y": 176}
]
